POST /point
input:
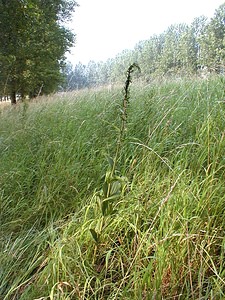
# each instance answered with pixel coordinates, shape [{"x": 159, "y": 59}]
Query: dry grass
[{"x": 4, "y": 104}]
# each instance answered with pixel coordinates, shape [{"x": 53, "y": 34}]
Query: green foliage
[
  {"x": 180, "y": 51},
  {"x": 114, "y": 186},
  {"x": 155, "y": 229},
  {"x": 213, "y": 42},
  {"x": 33, "y": 46}
]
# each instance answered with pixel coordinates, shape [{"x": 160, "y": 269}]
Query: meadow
[{"x": 101, "y": 203}]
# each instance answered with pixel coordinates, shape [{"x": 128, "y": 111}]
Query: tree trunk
[{"x": 13, "y": 98}]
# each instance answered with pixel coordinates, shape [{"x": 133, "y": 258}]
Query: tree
[
  {"x": 181, "y": 50},
  {"x": 171, "y": 58},
  {"x": 77, "y": 77},
  {"x": 212, "y": 42},
  {"x": 197, "y": 30},
  {"x": 34, "y": 42},
  {"x": 149, "y": 55}
]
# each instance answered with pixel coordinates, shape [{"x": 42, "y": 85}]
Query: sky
[{"x": 105, "y": 28}]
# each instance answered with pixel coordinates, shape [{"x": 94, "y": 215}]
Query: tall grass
[{"x": 163, "y": 238}]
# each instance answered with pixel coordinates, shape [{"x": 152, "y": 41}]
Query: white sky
[{"x": 104, "y": 28}]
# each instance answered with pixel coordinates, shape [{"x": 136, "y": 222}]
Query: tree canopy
[
  {"x": 34, "y": 41},
  {"x": 181, "y": 50}
]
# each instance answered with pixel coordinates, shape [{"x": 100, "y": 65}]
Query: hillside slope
[{"x": 153, "y": 230}]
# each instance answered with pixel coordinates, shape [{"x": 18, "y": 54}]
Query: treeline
[
  {"x": 181, "y": 50},
  {"x": 33, "y": 44}
]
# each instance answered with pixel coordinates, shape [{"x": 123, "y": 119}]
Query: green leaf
[
  {"x": 108, "y": 176},
  {"x": 107, "y": 205},
  {"x": 115, "y": 188},
  {"x": 104, "y": 207},
  {"x": 107, "y": 258},
  {"x": 110, "y": 161},
  {"x": 105, "y": 189},
  {"x": 95, "y": 235}
]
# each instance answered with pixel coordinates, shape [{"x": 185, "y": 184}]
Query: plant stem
[{"x": 124, "y": 113}]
